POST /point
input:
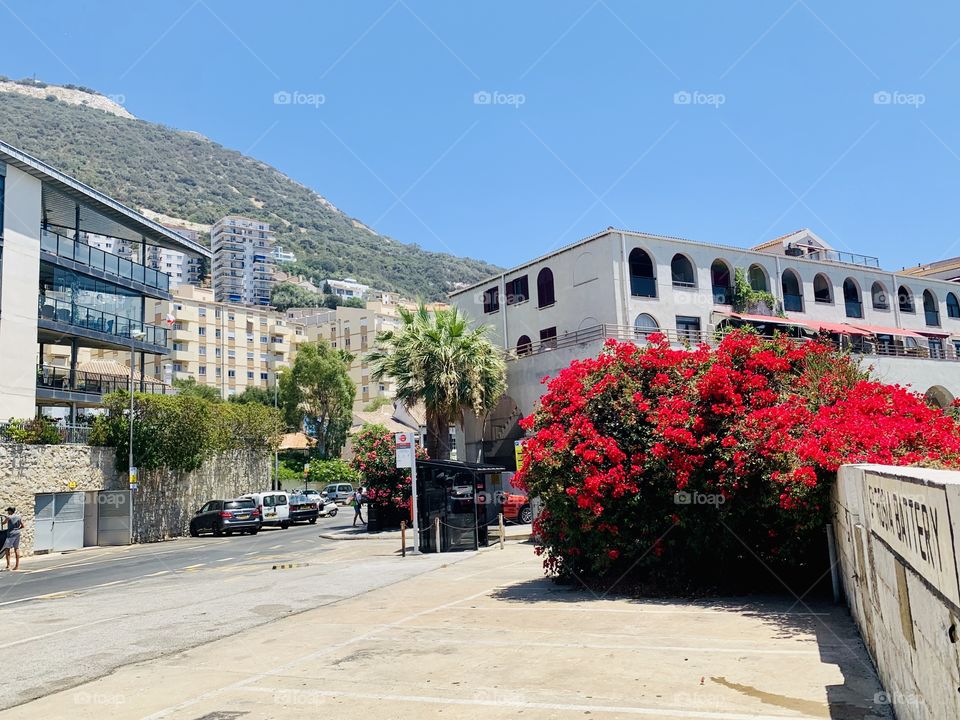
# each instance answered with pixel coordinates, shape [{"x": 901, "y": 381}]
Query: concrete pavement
[{"x": 488, "y": 637}]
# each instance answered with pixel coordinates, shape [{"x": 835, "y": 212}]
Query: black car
[
  {"x": 304, "y": 508},
  {"x": 224, "y": 517}
]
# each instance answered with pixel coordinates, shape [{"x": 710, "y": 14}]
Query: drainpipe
[
  {"x": 896, "y": 304},
  {"x": 624, "y": 282},
  {"x": 503, "y": 309},
  {"x": 777, "y": 285}
]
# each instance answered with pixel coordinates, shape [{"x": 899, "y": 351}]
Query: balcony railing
[
  {"x": 854, "y": 308},
  {"x": 722, "y": 295},
  {"x": 97, "y": 259},
  {"x": 932, "y": 317},
  {"x": 123, "y": 328},
  {"x": 643, "y": 286},
  {"x": 844, "y": 257},
  {"x": 69, "y": 434},
  {"x": 793, "y": 303},
  {"x": 55, "y": 377}
]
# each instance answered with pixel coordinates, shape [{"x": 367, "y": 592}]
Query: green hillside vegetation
[{"x": 183, "y": 175}]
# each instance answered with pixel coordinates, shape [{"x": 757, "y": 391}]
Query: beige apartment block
[
  {"x": 243, "y": 260},
  {"x": 226, "y": 346},
  {"x": 354, "y": 330}
]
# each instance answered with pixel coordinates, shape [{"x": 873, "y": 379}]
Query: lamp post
[
  {"x": 276, "y": 455},
  {"x": 134, "y": 335}
]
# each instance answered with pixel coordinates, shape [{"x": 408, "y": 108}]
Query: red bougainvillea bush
[
  {"x": 705, "y": 467},
  {"x": 375, "y": 459}
]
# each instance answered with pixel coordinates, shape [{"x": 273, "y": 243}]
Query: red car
[{"x": 516, "y": 508}]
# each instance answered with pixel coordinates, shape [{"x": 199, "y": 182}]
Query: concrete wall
[
  {"x": 898, "y": 553},
  {"x": 18, "y": 294},
  {"x": 26, "y": 470}
]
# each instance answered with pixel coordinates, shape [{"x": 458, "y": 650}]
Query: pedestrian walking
[
  {"x": 357, "y": 506},
  {"x": 12, "y": 541}
]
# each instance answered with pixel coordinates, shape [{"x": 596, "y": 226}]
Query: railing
[
  {"x": 55, "y": 377},
  {"x": 90, "y": 319},
  {"x": 97, "y": 259},
  {"x": 643, "y": 286},
  {"x": 844, "y": 257},
  {"x": 69, "y": 434}
]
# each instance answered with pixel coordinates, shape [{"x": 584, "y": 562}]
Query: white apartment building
[
  {"x": 562, "y": 306},
  {"x": 282, "y": 256},
  {"x": 347, "y": 288},
  {"x": 227, "y": 346},
  {"x": 243, "y": 264},
  {"x": 354, "y": 330}
]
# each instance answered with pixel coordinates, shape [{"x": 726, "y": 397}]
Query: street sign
[
  {"x": 134, "y": 478},
  {"x": 518, "y": 452},
  {"x": 405, "y": 443}
]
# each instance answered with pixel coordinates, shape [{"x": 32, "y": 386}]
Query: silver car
[{"x": 338, "y": 492}]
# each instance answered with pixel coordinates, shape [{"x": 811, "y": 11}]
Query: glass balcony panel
[
  {"x": 82, "y": 253},
  {"x": 112, "y": 264},
  {"x": 793, "y": 303},
  {"x": 643, "y": 286},
  {"x": 854, "y": 308},
  {"x": 48, "y": 242},
  {"x": 932, "y": 318},
  {"x": 722, "y": 295},
  {"x": 65, "y": 248}
]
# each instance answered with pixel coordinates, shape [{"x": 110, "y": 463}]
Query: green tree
[
  {"x": 190, "y": 386},
  {"x": 253, "y": 394},
  {"x": 438, "y": 359},
  {"x": 318, "y": 389}
]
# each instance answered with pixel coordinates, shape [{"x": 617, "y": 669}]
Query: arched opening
[
  {"x": 822, "y": 289},
  {"x": 851, "y": 298},
  {"x": 642, "y": 280},
  {"x": 545, "y": 292},
  {"x": 939, "y": 396},
  {"x": 757, "y": 277},
  {"x": 681, "y": 269},
  {"x": 953, "y": 307},
  {"x": 931, "y": 309},
  {"x": 722, "y": 282},
  {"x": 644, "y": 326},
  {"x": 792, "y": 292},
  {"x": 905, "y": 299},
  {"x": 588, "y": 323},
  {"x": 524, "y": 345},
  {"x": 879, "y": 294}
]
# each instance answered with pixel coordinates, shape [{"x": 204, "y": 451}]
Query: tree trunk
[{"x": 438, "y": 437}]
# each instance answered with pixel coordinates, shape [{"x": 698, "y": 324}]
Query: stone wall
[
  {"x": 26, "y": 470},
  {"x": 165, "y": 501},
  {"x": 898, "y": 552}
]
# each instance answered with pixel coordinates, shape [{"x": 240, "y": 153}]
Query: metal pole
[
  {"x": 500, "y": 523},
  {"x": 130, "y": 456},
  {"x": 276, "y": 455},
  {"x": 436, "y": 531},
  {"x": 403, "y": 537},
  {"x": 413, "y": 493}
]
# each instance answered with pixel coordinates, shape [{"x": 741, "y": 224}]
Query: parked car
[
  {"x": 224, "y": 517},
  {"x": 311, "y": 493},
  {"x": 516, "y": 508},
  {"x": 274, "y": 507},
  {"x": 304, "y": 508},
  {"x": 338, "y": 492}
]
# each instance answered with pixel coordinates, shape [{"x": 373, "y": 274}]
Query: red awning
[
  {"x": 766, "y": 319},
  {"x": 878, "y": 330},
  {"x": 838, "y": 328},
  {"x": 934, "y": 333}
]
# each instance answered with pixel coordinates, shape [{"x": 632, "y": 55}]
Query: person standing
[
  {"x": 357, "y": 506},
  {"x": 14, "y": 526}
]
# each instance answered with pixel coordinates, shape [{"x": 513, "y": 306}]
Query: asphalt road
[{"x": 71, "y": 618}]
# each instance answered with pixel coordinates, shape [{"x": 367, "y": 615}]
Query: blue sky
[{"x": 722, "y": 122}]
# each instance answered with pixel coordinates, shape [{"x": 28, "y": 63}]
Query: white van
[{"x": 274, "y": 507}]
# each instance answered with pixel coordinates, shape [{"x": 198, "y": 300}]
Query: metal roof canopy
[
  {"x": 478, "y": 468},
  {"x": 99, "y": 213}
]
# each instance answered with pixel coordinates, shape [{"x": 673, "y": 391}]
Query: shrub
[
  {"x": 700, "y": 468},
  {"x": 326, "y": 472},
  {"x": 375, "y": 461},
  {"x": 35, "y": 431}
]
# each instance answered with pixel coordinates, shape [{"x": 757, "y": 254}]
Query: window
[
  {"x": 178, "y": 326},
  {"x": 216, "y": 313},
  {"x": 231, "y": 353},
  {"x": 905, "y": 299},
  {"x": 202, "y": 370},
  {"x": 263, "y": 376},
  {"x": 231, "y": 335},
  {"x": 822, "y": 289},
  {"x": 953, "y": 307},
  {"x": 645, "y": 325},
  {"x": 491, "y": 300},
  {"x": 202, "y": 350},
  {"x": 177, "y": 346},
  {"x": 249, "y": 337},
  {"x": 263, "y": 338},
  {"x": 757, "y": 277},
  {"x": 548, "y": 338},
  {"x": 231, "y": 373},
  {"x": 524, "y": 345},
  {"x": 792, "y": 293},
  {"x": 249, "y": 375},
  {"x": 642, "y": 281},
  {"x": 216, "y": 352},
  {"x": 177, "y": 367},
  {"x": 518, "y": 290},
  {"x": 879, "y": 294},
  {"x": 851, "y": 299},
  {"x": 250, "y": 355},
  {"x": 218, "y": 372},
  {"x": 201, "y": 331},
  {"x": 688, "y": 328},
  {"x": 722, "y": 286},
  {"x": 231, "y": 317},
  {"x": 545, "y": 292},
  {"x": 681, "y": 269},
  {"x": 931, "y": 309}
]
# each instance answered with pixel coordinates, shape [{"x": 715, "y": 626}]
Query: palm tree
[{"x": 438, "y": 359}]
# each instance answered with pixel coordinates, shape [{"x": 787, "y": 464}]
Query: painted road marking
[
  {"x": 62, "y": 630},
  {"x": 225, "y": 559},
  {"x": 194, "y": 567}
]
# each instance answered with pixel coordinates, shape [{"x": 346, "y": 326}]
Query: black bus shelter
[{"x": 460, "y": 495}]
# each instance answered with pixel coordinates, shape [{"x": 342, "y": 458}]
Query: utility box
[{"x": 460, "y": 495}]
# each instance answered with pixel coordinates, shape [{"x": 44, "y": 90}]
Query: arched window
[
  {"x": 851, "y": 298},
  {"x": 905, "y": 299},
  {"x": 879, "y": 294},
  {"x": 642, "y": 280},
  {"x": 822, "y": 289},
  {"x": 545, "y": 296},
  {"x": 682, "y": 271},
  {"x": 931, "y": 309},
  {"x": 722, "y": 284},
  {"x": 758, "y": 278},
  {"x": 524, "y": 345},
  {"x": 792, "y": 292},
  {"x": 953, "y": 307},
  {"x": 644, "y": 325}
]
